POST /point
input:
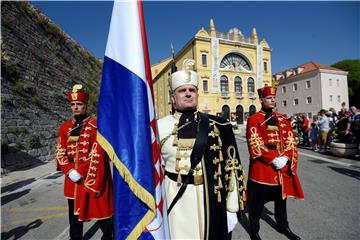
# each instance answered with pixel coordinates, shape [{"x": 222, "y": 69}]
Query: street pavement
[
  {"x": 33, "y": 206},
  {"x": 331, "y": 207}
]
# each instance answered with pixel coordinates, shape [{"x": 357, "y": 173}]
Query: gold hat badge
[{"x": 75, "y": 89}]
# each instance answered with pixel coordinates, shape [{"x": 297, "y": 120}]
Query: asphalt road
[
  {"x": 33, "y": 207},
  {"x": 331, "y": 209}
]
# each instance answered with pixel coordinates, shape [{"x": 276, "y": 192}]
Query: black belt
[
  {"x": 271, "y": 147},
  {"x": 195, "y": 179}
]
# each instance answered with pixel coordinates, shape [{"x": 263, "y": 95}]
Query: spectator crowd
[{"x": 327, "y": 126}]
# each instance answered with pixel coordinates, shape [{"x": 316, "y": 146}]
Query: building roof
[{"x": 300, "y": 70}]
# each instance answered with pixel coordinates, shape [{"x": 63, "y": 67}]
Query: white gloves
[
  {"x": 231, "y": 220},
  {"x": 74, "y": 175},
  {"x": 280, "y": 162}
]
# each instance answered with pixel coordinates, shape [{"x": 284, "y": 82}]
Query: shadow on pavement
[
  {"x": 18, "y": 232},
  {"x": 318, "y": 161},
  {"x": 347, "y": 172},
  {"x": 91, "y": 232},
  {"x": 13, "y": 196},
  {"x": 244, "y": 221},
  {"x": 56, "y": 175},
  {"x": 266, "y": 216},
  {"x": 17, "y": 185}
]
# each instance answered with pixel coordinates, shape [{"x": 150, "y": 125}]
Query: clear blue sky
[{"x": 297, "y": 32}]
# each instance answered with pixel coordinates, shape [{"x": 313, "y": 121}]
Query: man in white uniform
[{"x": 204, "y": 179}]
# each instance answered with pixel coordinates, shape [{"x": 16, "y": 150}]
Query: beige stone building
[{"x": 231, "y": 66}]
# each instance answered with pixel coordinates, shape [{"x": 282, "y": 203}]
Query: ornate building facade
[{"x": 231, "y": 67}]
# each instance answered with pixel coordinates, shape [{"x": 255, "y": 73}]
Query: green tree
[{"x": 352, "y": 66}]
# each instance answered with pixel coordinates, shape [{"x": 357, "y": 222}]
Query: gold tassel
[
  {"x": 178, "y": 155},
  {"x": 175, "y": 142},
  {"x": 179, "y": 179},
  {"x": 215, "y": 175},
  {"x": 241, "y": 205},
  {"x": 219, "y": 197},
  {"x": 216, "y": 130},
  {"x": 219, "y": 141},
  {"x": 220, "y": 183},
  {"x": 221, "y": 156},
  {"x": 177, "y": 167}
]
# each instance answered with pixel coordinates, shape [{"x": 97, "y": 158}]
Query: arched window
[
  {"x": 239, "y": 114},
  {"x": 252, "y": 110},
  {"x": 224, "y": 84},
  {"x": 238, "y": 85},
  {"x": 251, "y": 85},
  {"x": 235, "y": 62},
  {"x": 225, "y": 112}
]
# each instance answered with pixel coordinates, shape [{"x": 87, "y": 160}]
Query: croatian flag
[{"x": 127, "y": 127}]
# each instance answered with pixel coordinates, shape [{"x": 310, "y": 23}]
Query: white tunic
[{"x": 186, "y": 219}]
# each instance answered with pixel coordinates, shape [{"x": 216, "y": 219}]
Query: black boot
[
  {"x": 254, "y": 235},
  {"x": 288, "y": 233}
]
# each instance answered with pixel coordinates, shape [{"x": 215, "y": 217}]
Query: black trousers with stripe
[
  {"x": 76, "y": 226},
  {"x": 259, "y": 194}
]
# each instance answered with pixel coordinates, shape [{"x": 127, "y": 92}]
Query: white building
[{"x": 309, "y": 88}]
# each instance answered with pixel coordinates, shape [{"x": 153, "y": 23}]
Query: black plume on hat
[{"x": 173, "y": 65}]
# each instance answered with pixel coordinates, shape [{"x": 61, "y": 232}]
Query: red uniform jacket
[
  {"x": 93, "y": 194},
  {"x": 267, "y": 143}
]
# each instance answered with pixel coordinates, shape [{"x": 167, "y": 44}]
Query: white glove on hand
[
  {"x": 74, "y": 175},
  {"x": 280, "y": 162},
  {"x": 231, "y": 220}
]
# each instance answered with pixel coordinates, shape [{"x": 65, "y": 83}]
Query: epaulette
[
  {"x": 260, "y": 112},
  {"x": 284, "y": 116},
  {"x": 92, "y": 122}
]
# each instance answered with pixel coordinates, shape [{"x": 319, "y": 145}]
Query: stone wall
[{"x": 40, "y": 63}]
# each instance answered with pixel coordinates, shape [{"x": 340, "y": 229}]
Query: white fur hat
[{"x": 184, "y": 76}]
